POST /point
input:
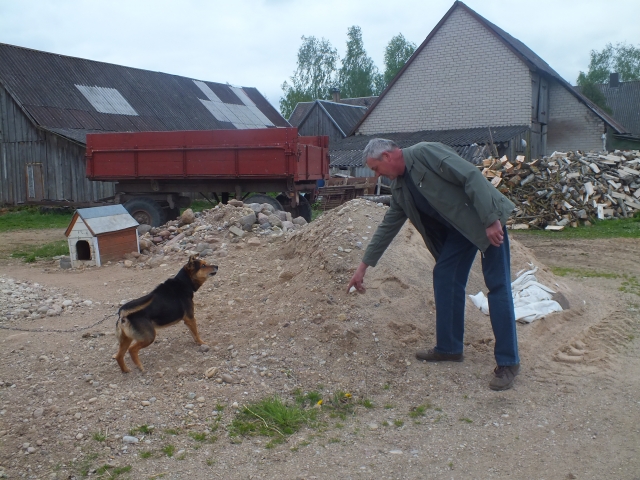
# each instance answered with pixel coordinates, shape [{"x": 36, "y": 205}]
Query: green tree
[
  {"x": 358, "y": 76},
  {"x": 621, "y": 58},
  {"x": 314, "y": 76},
  {"x": 396, "y": 55}
]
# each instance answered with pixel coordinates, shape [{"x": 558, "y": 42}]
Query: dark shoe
[
  {"x": 503, "y": 377},
  {"x": 433, "y": 356}
]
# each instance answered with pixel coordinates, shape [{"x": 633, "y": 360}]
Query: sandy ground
[{"x": 568, "y": 416}]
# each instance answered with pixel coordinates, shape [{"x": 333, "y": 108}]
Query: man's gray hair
[{"x": 376, "y": 147}]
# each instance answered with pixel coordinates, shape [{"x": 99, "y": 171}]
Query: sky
[{"x": 254, "y": 43}]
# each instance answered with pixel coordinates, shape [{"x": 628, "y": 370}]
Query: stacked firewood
[{"x": 568, "y": 188}]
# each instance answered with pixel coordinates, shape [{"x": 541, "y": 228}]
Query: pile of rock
[
  {"x": 32, "y": 300},
  {"x": 568, "y": 188},
  {"x": 209, "y": 233}
]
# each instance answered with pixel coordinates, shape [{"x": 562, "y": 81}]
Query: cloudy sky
[{"x": 254, "y": 42}]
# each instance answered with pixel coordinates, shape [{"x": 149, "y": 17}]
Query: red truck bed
[{"x": 272, "y": 153}]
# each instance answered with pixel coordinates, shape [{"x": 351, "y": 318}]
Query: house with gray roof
[
  {"x": 471, "y": 81},
  {"x": 324, "y": 117},
  {"x": 49, "y": 102},
  {"x": 623, "y": 98}
]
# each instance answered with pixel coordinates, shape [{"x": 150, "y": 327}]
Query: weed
[
  {"x": 438, "y": 418},
  {"x": 388, "y": 406},
  {"x": 145, "y": 454},
  {"x": 450, "y": 465},
  {"x": 398, "y": 423},
  {"x": 304, "y": 443},
  {"x": 111, "y": 471},
  {"x": 99, "y": 436},
  {"x": 211, "y": 462},
  {"x": 181, "y": 457},
  {"x": 309, "y": 398},
  {"x": 630, "y": 285},
  {"x": 366, "y": 403},
  {"x": 270, "y": 417},
  {"x": 219, "y": 407},
  {"x": 171, "y": 431},
  {"x": 419, "y": 411},
  {"x": 339, "y": 425},
  {"x": 386, "y": 386},
  {"x": 385, "y": 423},
  {"x": 334, "y": 440},
  {"x": 198, "y": 437},
  {"x": 29, "y": 253},
  {"x": 274, "y": 442},
  {"x": 144, "y": 429},
  {"x": 169, "y": 450},
  {"x": 466, "y": 420}
]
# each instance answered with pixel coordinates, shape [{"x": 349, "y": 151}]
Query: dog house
[{"x": 101, "y": 234}]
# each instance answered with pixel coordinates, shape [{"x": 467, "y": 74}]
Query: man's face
[{"x": 383, "y": 167}]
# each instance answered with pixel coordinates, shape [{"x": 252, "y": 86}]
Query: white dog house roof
[{"x": 104, "y": 219}]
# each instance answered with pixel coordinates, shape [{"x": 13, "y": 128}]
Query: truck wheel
[
  {"x": 146, "y": 211},
  {"x": 261, "y": 198},
  {"x": 302, "y": 210}
]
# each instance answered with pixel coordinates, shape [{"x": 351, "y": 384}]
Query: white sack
[{"x": 531, "y": 299}]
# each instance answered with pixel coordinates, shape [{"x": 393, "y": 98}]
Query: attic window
[
  {"x": 241, "y": 116},
  {"x": 107, "y": 100}
]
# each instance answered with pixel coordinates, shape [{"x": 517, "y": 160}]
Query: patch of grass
[
  {"x": 29, "y": 253},
  {"x": 112, "y": 472},
  {"x": 145, "y": 454},
  {"x": 211, "y": 462},
  {"x": 579, "y": 272},
  {"x": 339, "y": 425},
  {"x": 144, "y": 429},
  {"x": 274, "y": 442},
  {"x": 613, "y": 228},
  {"x": 419, "y": 411},
  {"x": 169, "y": 450},
  {"x": 366, "y": 403},
  {"x": 630, "y": 285},
  {"x": 171, "y": 431},
  {"x": 33, "y": 218},
  {"x": 386, "y": 386},
  {"x": 398, "y": 423},
  {"x": 385, "y": 423},
  {"x": 270, "y": 417},
  {"x": 334, "y": 440},
  {"x": 466, "y": 420},
  {"x": 198, "y": 437},
  {"x": 309, "y": 398},
  {"x": 99, "y": 436},
  {"x": 388, "y": 406}
]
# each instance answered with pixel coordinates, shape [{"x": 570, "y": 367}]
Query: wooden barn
[
  {"x": 49, "y": 102},
  {"x": 101, "y": 234}
]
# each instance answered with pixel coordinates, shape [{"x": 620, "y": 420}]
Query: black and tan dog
[{"x": 166, "y": 305}]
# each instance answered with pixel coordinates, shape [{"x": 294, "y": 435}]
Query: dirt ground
[{"x": 277, "y": 319}]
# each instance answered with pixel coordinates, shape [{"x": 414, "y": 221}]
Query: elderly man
[{"x": 457, "y": 212}]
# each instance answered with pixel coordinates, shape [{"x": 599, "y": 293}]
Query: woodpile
[{"x": 567, "y": 189}]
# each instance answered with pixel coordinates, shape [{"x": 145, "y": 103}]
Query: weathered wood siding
[
  {"x": 115, "y": 245},
  {"x": 62, "y": 161},
  {"x": 319, "y": 123}
]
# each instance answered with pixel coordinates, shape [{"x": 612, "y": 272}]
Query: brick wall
[
  {"x": 465, "y": 77},
  {"x": 572, "y": 126}
]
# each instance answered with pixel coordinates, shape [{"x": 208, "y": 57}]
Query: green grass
[
  {"x": 112, "y": 472},
  {"x": 270, "y": 417},
  {"x": 171, "y": 431},
  {"x": 466, "y": 420},
  {"x": 198, "y": 437},
  {"x": 388, "y": 406},
  {"x": 630, "y": 285},
  {"x": 32, "y": 252},
  {"x": 366, "y": 403},
  {"x": 30, "y": 218},
  {"x": 613, "y": 228},
  {"x": 146, "y": 454},
  {"x": 398, "y": 423},
  {"x": 99, "y": 437},
  {"x": 580, "y": 272},
  {"x": 144, "y": 429},
  {"x": 419, "y": 411},
  {"x": 169, "y": 450}
]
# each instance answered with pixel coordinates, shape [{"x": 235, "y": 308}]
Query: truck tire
[
  {"x": 261, "y": 198},
  {"x": 146, "y": 211},
  {"x": 302, "y": 210}
]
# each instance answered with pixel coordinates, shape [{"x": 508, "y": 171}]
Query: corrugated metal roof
[
  {"x": 624, "y": 101},
  {"x": 469, "y": 143},
  {"x": 519, "y": 48},
  {"x": 78, "y": 96},
  {"x": 111, "y": 218}
]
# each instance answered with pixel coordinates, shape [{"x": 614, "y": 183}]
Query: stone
[
  {"x": 275, "y": 220},
  {"x": 38, "y": 412},
  {"x": 200, "y": 399},
  {"x": 236, "y": 231},
  {"x": 79, "y": 436},
  {"x": 67, "y": 303},
  {"x": 202, "y": 246},
  {"x": 247, "y": 221},
  {"x": 235, "y": 203},
  {"x": 144, "y": 228},
  {"x": 227, "y": 378},
  {"x": 286, "y": 275},
  {"x": 254, "y": 241},
  {"x": 211, "y": 372},
  {"x": 129, "y": 439},
  {"x": 187, "y": 217},
  {"x": 65, "y": 263},
  {"x": 145, "y": 403},
  {"x": 128, "y": 263},
  {"x": 256, "y": 207},
  {"x": 262, "y": 218},
  {"x": 204, "y": 348},
  {"x": 299, "y": 221},
  {"x": 286, "y": 226}
]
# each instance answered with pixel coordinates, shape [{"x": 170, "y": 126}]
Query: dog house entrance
[{"x": 83, "y": 250}]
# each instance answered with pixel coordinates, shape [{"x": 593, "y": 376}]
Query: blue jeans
[{"x": 449, "y": 282}]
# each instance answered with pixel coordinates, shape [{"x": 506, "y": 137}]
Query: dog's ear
[{"x": 193, "y": 259}]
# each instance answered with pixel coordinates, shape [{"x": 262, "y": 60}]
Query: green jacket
[{"x": 454, "y": 187}]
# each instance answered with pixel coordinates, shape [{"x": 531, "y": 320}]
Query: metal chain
[{"x": 69, "y": 330}]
